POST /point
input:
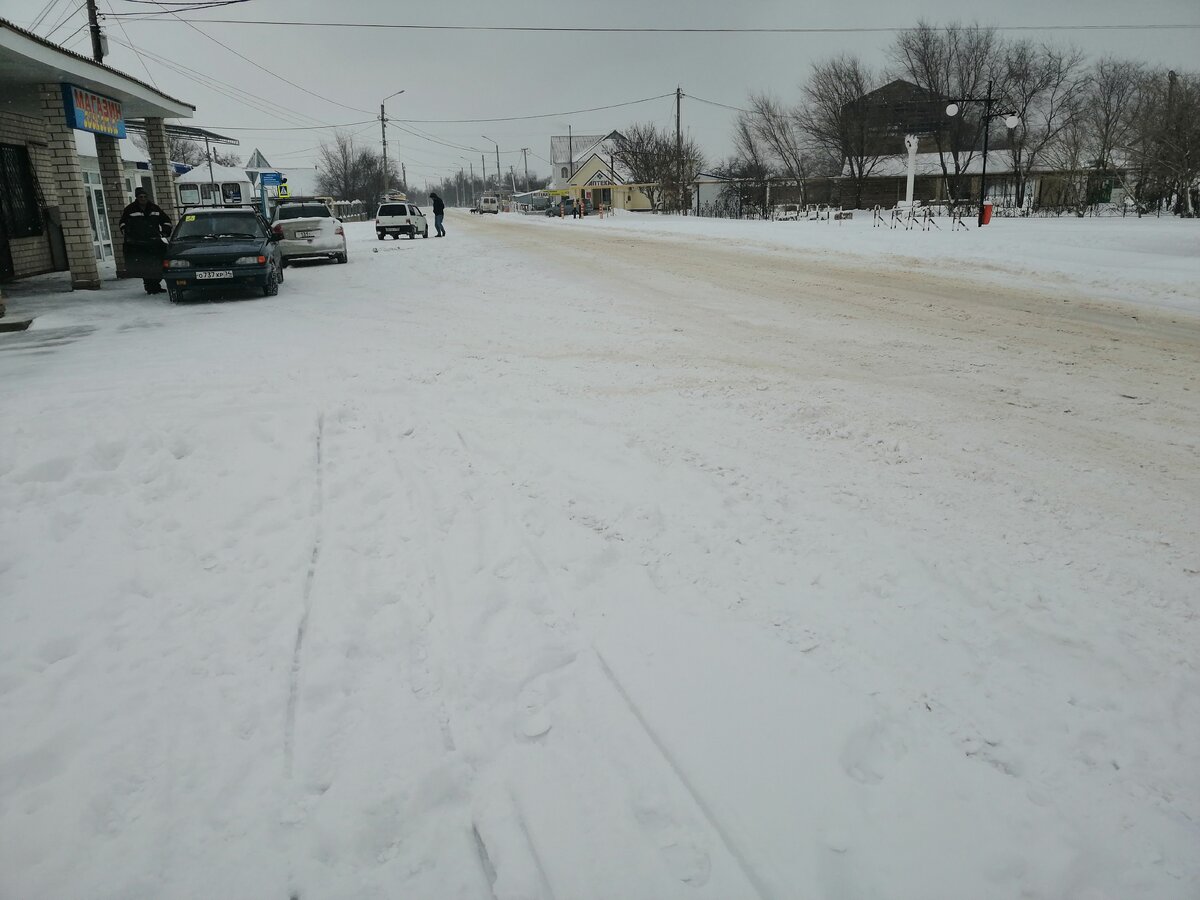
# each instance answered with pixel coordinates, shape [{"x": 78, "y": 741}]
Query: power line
[
  {"x": 645, "y": 30},
  {"x": 715, "y": 103},
  {"x": 61, "y": 22},
  {"x": 108, "y": 3},
  {"x": 553, "y": 115},
  {"x": 224, "y": 88},
  {"x": 299, "y": 128},
  {"x": 41, "y": 16},
  {"x": 252, "y": 62}
]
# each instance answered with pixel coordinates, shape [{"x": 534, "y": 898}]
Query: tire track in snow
[
  {"x": 289, "y": 733},
  {"x": 762, "y": 890}
]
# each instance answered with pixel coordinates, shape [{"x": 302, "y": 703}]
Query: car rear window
[
  {"x": 208, "y": 225},
  {"x": 304, "y": 211},
  {"x": 393, "y": 209}
]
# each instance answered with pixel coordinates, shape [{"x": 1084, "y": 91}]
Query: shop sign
[{"x": 87, "y": 111}]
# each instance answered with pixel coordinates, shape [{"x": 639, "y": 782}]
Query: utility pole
[
  {"x": 499, "y": 173},
  {"x": 383, "y": 171},
  {"x": 570, "y": 153},
  {"x": 94, "y": 27},
  {"x": 679, "y": 146},
  {"x": 483, "y": 166},
  {"x": 513, "y": 175},
  {"x": 525, "y": 154},
  {"x": 404, "y": 175},
  {"x": 383, "y": 174}
]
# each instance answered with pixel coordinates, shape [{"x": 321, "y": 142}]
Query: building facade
[{"x": 46, "y": 94}]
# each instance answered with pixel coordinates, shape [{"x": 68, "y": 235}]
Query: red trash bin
[{"x": 987, "y": 212}]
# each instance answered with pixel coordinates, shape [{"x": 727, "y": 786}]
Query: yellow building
[{"x": 587, "y": 167}]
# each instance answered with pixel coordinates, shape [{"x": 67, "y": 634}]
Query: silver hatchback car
[{"x": 307, "y": 229}]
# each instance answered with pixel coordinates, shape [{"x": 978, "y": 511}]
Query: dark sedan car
[{"x": 214, "y": 247}]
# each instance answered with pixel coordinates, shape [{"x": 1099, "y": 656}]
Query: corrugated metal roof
[{"x": 12, "y": 26}]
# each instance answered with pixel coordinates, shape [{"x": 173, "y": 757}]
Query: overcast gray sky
[{"x": 473, "y": 75}]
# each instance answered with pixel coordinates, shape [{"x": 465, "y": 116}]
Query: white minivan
[
  {"x": 489, "y": 203},
  {"x": 397, "y": 217}
]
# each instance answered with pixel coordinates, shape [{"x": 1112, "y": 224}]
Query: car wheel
[
  {"x": 426, "y": 234},
  {"x": 283, "y": 262},
  {"x": 343, "y": 258},
  {"x": 379, "y": 235},
  {"x": 412, "y": 234},
  {"x": 174, "y": 294},
  {"x": 271, "y": 288}
]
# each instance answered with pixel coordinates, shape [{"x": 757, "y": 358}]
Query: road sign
[{"x": 270, "y": 179}]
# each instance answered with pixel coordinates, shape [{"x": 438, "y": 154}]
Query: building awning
[{"x": 27, "y": 60}]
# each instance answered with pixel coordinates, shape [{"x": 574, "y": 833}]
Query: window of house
[
  {"x": 18, "y": 194},
  {"x": 565, "y": 173}
]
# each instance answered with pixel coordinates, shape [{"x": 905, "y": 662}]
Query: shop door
[{"x": 98, "y": 216}]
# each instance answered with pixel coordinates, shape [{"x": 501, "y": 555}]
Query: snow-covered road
[{"x": 603, "y": 559}]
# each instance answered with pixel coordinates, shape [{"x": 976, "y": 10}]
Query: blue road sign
[{"x": 270, "y": 179}]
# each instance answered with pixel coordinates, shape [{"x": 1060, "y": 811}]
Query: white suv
[
  {"x": 307, "y": 228},
  {"x": 397, "y": 217}
]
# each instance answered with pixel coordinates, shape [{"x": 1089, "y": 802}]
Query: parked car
[
  {"x": 215, "y": 247},
  {"x": 307, "y": 228},
  {"x": 396, "y": 218},
  {"x": 489, "y": 203},
  {"x": 564, "y": 206},
  {"x": 786, "y": 212}
]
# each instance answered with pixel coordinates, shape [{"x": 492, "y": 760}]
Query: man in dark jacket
[
  {"x": 143, "y": 226},
  {"x": 439, "y": 211}
]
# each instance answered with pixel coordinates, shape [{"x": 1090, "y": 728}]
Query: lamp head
[{"x": 952, "y": 109}]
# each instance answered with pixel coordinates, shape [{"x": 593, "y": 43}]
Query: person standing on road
[
  {"x": 439, "y": 213},
  {"x": 143, "y": 226}
]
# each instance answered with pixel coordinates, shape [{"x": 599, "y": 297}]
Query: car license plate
[
  {"x": 214, "y": 273},
  {"x": 306, "y": 234}
]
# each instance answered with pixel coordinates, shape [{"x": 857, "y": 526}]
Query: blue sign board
[
  {"x": 270, "y": 179},
  {"x": 88, "y": 111}
]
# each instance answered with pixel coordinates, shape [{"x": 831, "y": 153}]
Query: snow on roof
[
  {"x": 999, "y": 162},
  {"x": 85, "y": 145},
  {"x": 564, "y": 148},
  {"x": 201, "y": 174}
]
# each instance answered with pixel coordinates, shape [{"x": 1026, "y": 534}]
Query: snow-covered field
[{"x": 635, "y": 558}]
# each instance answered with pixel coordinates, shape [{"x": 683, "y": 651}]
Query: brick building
[{"x": 46, "y": 93}]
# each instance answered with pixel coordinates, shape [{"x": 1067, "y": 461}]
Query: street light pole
[
  {"x": 383, "y": 174},
  {"x": 1010, "y": 119},
  {"x": 499, "y": 174}
]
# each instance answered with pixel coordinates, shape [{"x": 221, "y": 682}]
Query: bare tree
[
  {"x": 838, "y": 122},
  {"x": 349, "y": 172},
  {"x": 655, "y": 163},
  {"x": 1045, "y": 86},
  {"x": 953, "y": 62},
  {"x": 1166, "y": 140},
  {"x": 777, "y": 128},
  {"x": 1112, "y": 107},
  {"x": 179, "y": 149}
]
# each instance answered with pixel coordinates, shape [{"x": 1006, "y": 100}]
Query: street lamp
[
  {"x": 383, "y": 176},
  {"x": 1011, "y": 120},
  {"x": 498, "y": 182}
]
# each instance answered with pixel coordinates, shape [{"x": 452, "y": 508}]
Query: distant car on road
[
  {"x": 396, "y": 218},
  {"x": 489, "y": 203},
  {"x": 306, "y": 228},
  {"x": 219, "y": 248}
]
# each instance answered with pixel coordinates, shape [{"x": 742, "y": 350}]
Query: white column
[{"x": 911, "y": 142}]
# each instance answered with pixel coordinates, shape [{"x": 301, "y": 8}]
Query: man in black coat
[
  {"x": 143, "y": 226},
  {"x": 439, "y": 211}
]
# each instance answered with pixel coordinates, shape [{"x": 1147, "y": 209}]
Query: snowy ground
[{"x": 638, "y": 558}]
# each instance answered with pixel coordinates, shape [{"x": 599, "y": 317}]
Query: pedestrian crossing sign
[{"x": 283, "y": 190}]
